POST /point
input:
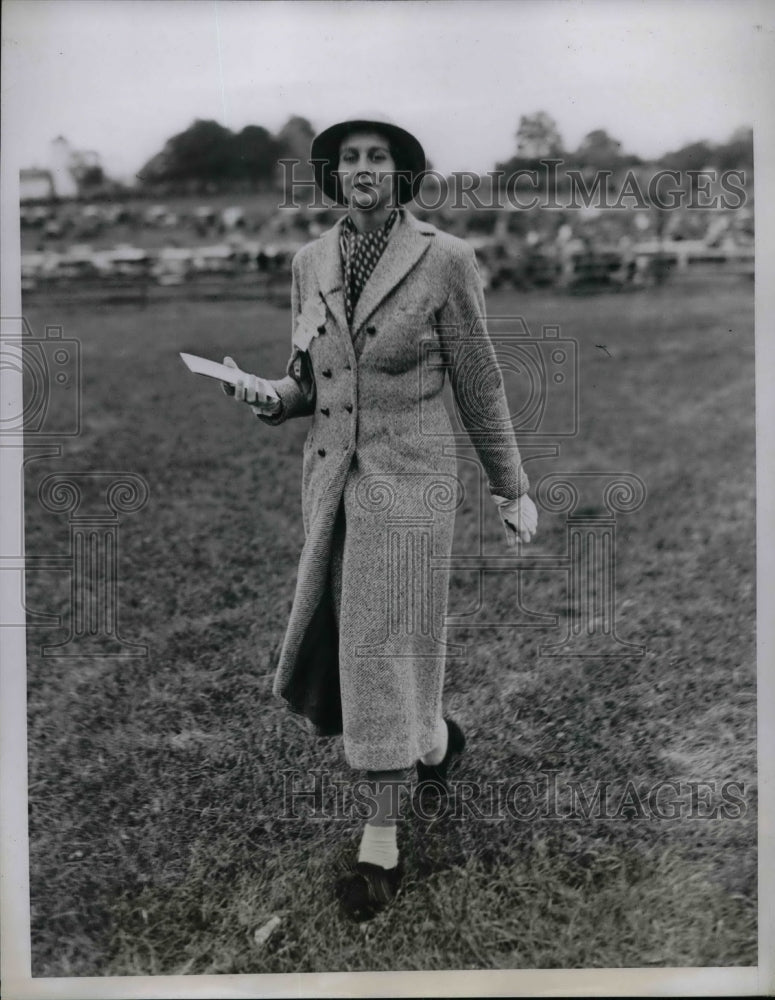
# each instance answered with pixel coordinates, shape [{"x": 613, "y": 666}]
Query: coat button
[
  {"x": 371, "y": 330},
  {"x": 322, "y": 328},
  {"x": 326, "y": 373},
  {"x": 322, "y": 452},
  {"x": 325, "y": 411},
  {"x": 347, "y": 367},
  {"x": 348, "y": 407}
]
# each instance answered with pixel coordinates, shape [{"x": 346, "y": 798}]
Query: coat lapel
[
  {"x": 405, "y": 247},
  {"x": 328, "y": 267}
]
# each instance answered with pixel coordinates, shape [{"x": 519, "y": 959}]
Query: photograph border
[{"x": 14, "y": 859}]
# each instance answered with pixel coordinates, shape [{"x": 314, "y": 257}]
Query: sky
[{"x": 122, "y": 76}]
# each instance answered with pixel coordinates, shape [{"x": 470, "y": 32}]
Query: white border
[
  {"x": 764, "y": 181},
  {"x": 14, "y": 860}
]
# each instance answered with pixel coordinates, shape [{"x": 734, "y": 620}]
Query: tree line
[
  {"x": 538, "y": 138},
  {"x": 209, "y": 157}
]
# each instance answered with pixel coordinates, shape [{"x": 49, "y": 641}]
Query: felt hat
[{"x": 407, "y": 153}]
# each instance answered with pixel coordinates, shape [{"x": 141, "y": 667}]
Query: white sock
[
  {"x": 436, "y": 756},
  {"x": 379, "y": 845}
]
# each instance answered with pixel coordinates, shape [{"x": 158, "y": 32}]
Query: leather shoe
[
  {"x": 435, "y": 775},
  {"x": 367, "y": 889}
]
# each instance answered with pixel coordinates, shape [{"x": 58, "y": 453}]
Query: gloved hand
[
  {"x": 257, "y": 392},
  {"x": 520, "y": 518}
]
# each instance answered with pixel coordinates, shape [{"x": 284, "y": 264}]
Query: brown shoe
[{"x": 368, "y": 889}]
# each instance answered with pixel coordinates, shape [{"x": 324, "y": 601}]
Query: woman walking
[{"x": 384, "y": 307}]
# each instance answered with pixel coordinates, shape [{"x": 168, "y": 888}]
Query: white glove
[
  {"x": 257, "y": 392},
  {"x": 520, "y": 518}
]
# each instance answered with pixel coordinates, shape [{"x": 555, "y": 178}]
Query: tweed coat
[{"x": 378, "y": 463}]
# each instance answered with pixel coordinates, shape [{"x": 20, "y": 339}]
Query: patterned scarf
[{"x": 360, "y": 253}]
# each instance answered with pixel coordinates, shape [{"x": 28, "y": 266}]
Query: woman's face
[{"x": 366, "y": 170}]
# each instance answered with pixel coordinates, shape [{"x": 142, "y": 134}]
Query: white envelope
[{"x": 212, "y": 369}]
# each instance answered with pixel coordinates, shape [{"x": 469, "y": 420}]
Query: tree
[
  {"x": 208, "y": 154},
  {"x": 87, "y": 172},
  {"x": 694, "y": 156},
  {"x": 737, "y": 151},
  {"x": 202, "y": 153},
  {"x": 598, "y": 149},
  {"x": 538, "y": 137},
  {"x": 295, "y": 138},
  {"x": 253, "y": 155}
]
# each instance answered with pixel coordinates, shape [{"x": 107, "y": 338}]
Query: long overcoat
[{"x": 379, "y": 481}]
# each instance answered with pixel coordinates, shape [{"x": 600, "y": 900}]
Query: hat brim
[{"x": 408, "y": 153}]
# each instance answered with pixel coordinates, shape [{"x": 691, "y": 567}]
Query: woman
[{"x": 383, "y": 307}]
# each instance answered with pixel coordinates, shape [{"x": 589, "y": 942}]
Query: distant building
[
  {"x": 36, "y": 184},
  {"x": 61, "y": 158},
  {"x": 69, "y": 173}
]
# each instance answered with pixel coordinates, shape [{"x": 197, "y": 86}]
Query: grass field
[{"x": 156, "y": 836}]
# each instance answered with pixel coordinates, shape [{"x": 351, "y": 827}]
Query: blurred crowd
[
  {"x": 68, "y": 242},
  {"x": 154, "y": 243}
]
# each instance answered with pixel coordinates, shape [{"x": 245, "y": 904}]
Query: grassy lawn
[{"x": 157, "y": 838}]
